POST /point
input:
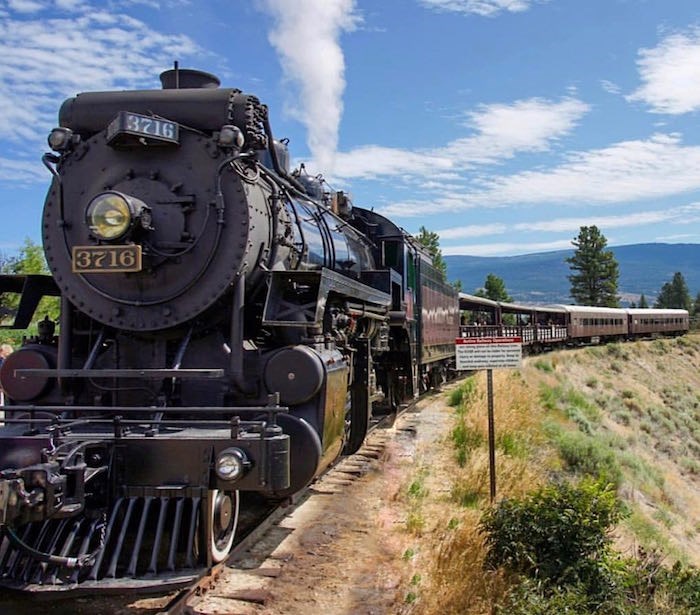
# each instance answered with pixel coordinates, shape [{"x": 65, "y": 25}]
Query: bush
[
  {"x": 555, "y": 546},
  {"x": 557, "y": 534},
  {"x": 588, "y": 457}
]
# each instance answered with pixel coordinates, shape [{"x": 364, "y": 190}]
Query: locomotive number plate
[
  {"x": 106, "y": 259},
  {"x": 137, "y": 125}
]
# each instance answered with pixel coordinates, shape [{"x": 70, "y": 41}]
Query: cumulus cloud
[
  {"x": 306, "y": 35},
  {"x": 47, "y": 57},
  {"x": 499, "y": 132},
  {"x": 484, "y": 8},
  {"x": 670, "y": 74}
]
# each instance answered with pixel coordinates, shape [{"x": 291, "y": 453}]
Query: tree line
[{"x": 593, "y": 280}]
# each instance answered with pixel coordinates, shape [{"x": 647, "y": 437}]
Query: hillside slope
[
  {"x": 627, "y": 412},
  {"x": 643, "y": 408}
]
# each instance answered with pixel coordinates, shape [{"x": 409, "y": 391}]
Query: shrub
[
  {"x": 557, "y": 534},
  {"x": 589, "y": 457}
]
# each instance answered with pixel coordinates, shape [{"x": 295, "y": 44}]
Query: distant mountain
[{"x": 542, "y": 277}]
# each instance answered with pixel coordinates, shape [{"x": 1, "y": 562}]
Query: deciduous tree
[
  {"x": 595, "y": 270},
  {"x": 30, "y": 260}
]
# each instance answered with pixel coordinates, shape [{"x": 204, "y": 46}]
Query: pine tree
[
  {"x": 643, "y": 301},
  {"x": 431, "y": 240},
  {"x": 674, "y": 294},
  {"x": 494, "y": 289},
  {"x": 594, "y": 281}
]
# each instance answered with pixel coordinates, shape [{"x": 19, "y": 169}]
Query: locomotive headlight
[
  {"x": 111, "y": 214},
  {"x": 60, "y": 139},
  {"x": 230, "y": 464}
]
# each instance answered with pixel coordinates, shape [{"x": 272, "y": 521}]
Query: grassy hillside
[{"x": 622, "y": 415}]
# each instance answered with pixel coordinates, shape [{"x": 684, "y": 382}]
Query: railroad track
[{"x": 342, "y": 472}]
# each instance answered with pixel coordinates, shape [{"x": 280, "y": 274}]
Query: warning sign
[{"x": 488, "y": 352}]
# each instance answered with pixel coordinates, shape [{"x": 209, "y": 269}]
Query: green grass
[
  {"x": 465, "y": 440},
  {"x": 544, "y": 365}
]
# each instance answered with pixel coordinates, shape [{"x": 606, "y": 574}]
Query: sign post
[{"x": 489, "y": 353}]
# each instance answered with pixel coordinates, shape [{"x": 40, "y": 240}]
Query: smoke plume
[{"x": 306, "y": 35}]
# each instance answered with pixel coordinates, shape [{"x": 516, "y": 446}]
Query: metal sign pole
[
  {"x": 492, "y": 435},
  {"x": 489, "y": 353}
]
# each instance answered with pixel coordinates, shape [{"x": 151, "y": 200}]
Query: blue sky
[{"x": 503, "y": 125}]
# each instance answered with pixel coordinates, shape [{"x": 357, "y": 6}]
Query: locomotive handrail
[
  {"x": 151, "y": 374},
  {"x": 132, "y": 409}
]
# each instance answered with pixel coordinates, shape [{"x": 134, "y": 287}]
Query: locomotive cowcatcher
[{"x": 227, "y": 329}]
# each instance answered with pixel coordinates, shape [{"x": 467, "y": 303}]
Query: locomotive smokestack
[{"x": 187, "y": 78}]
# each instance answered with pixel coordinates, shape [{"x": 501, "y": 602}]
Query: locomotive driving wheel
[{"x": 223, "y": 521}]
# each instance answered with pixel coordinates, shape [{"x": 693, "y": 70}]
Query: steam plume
[{"x": 306, "y": 36}]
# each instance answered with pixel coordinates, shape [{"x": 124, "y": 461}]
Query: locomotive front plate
[{"x": 106, "y": 259}]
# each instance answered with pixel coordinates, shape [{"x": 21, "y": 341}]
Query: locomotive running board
[{"x": 298, "y": 298}]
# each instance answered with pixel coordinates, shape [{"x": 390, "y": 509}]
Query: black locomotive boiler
[{"x": 227, "y": 329}]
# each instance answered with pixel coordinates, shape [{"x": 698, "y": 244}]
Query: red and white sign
[{"x": 488, "y": 352}]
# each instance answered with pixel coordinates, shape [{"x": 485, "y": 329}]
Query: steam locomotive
[{"x": 227, "y": 329}]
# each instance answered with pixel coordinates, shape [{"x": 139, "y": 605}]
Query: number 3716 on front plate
[{"x": 106, "y": 259}]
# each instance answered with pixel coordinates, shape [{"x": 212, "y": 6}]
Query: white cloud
[
  {"x": 500, "y": 132},
  {"x": 306, "y": 35},
  {"x": 641, "y": 169},
  {"x": 484, "y": 8},
  {"x": 560, "y": 225},
  {"x": 22, "y": 171},
  {"x": 506, "y": 249},
  {"x": 46, "y": 59},
  {"x": 610, "y": 87},
  {"x": 25, "y": 6},
  {"x": 472, "y": 230},
  {"x": 670, "y": 74}
]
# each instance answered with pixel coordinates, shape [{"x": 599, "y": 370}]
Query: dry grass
[
  {"x": 455, "y": 578},
  {"x": 645, "y": 399}
]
